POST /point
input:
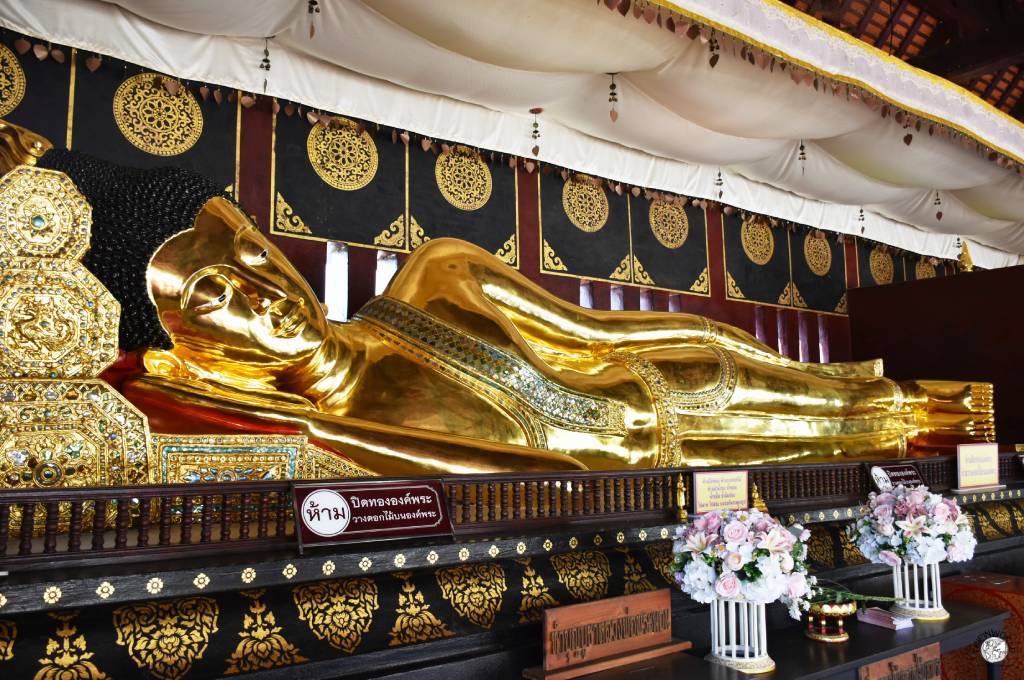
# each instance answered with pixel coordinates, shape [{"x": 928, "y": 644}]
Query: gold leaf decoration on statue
[
  {"x": 463, "y": 177},
  {"x": 473, "y": 590},
  {"x": 165, "y": 638},
  {"x": 622, "y": 272},
  {"x": 393, "y": 236},
  {"x": 12, "y": 81},
  {"x": 415, "y": 622},
  {"x": 585, "y": 204},
  {"x": 841, "y": 305},
  {"x": 881, "y": 265},
  {"x": 153, "y": 119},
  {"x": 552, "y": 262},
  {"x": 818, "y": 254},
  {"x": 68, "y": 656},
  {"x": 343, "y": 154},
  {"x": 286, "y": 220},
  {"x": 507, "y": 252},
  {"x": 662, "y": 559},
  {"x": 8, "y": 634},
  {"x": 702, "y": 284},
  {"x": 416, "y": 235},
  {"x": 640, "y": 274},
  {"x": 42, "y": 214},
  {"x": 57, "y": 320},
  {"x": 758, "y": 241},
  {"x": 669, "y": 223},
  {"x": 70, "y": 433},
  {"x": 924, "y": 270},
  {"x": 338, "y": 612},
  {"x": 320, "y": 463},
  {"x": 535, "y": 595},
  {"x": 584, "y": 574},
  {"x": 732, "y": 289},
  {"x": 634, "y": 578},
  {"x": 262, "y": 646}
]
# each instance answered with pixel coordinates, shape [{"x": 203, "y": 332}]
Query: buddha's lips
[{"x": 291, "y": 322}]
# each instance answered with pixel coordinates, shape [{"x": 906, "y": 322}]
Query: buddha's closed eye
[{"x": 209, "y": 293}]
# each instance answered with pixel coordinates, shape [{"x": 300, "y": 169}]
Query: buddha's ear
[{"x": 168, "y": 364}]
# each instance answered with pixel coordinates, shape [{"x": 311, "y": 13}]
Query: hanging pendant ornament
[
  {"x": 860, "y": 218},
  {"x": 312, "y": 9},
  {"x": 613, "y": 99},
  {"x": 719, "y": 182},
  {"x": 802, "y": 157},
  {"x": 265, "y": 63},
  {"x": 714, "y": 48},
  {"x": 938, "y": 204},
  {"x": 535, "y": 133}
]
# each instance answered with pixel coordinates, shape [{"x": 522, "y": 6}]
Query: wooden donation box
[
  {"x": 997, "y": 591},
  {"x": 595, "y": 636}
]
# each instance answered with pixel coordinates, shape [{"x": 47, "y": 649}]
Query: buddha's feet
[{"x": 950, "y": 413}]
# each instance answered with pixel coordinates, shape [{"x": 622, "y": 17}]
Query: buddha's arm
[
  {"x": 460, "y": 273},
  {"x": 386, "y": 450}
]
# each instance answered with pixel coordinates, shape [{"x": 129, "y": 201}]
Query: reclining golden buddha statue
[{"x": 463, "y": 364}]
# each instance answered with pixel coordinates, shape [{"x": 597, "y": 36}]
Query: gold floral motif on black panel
[
  {"x": 818, "y": 254},
  {"x": 68, "y": 656},
  {"x": 535, "y": 595},
  {"x": 585, "y": 203},
  {"x": 662, "y": 559},
  {"x": 415, "y": 622},
  {"x": 584, "y": 574},
  {"x": 463, "y": 178},
  {"x": 165, "y": 638},
  {"x": 473, "y": 590},
  {"x": 881, "y": 265},
  {"x": 8, "y": 635},
  {"x": 155, "y": 120},
  {"x": 342, "y": 154},
  {"x": 634, "y": 577},
  {"x": 12, "y": 81},
  {"x": 339, "y": 612},
  {"x": 669, "y": 223},
  {"x": 758, "y": 241},
  {"x": 262, "y": 645},
  {"x": 924, "y": 270}
]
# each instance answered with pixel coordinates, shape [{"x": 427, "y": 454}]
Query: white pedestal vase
[
  {"x": 918, "y": 592},
  {"x": 739, "y": 636}
]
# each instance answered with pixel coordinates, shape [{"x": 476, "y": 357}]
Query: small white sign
[{"x": 326, "y": 513}]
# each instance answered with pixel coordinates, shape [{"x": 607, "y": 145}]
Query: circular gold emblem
[
  {"x": 344, "y": 156},
  {"x": 42, "y": 214},
  {"x": 155, "y": 120},
  {"x": 585, "y": 204},
  {"x": 463, "y": 178},
  {"x": 880, "y": 263},
  {"x": 12, "y": 81},
  {"x": 669, "y": 223},
  {"x": 924, "y": 270},
  {"x": 758, "y": 242},
  {"x": 818, "y": 254},
  {"x": 56, "y": 320}
]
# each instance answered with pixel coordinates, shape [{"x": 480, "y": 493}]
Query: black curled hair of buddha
[{"x": 133, "y": 212}]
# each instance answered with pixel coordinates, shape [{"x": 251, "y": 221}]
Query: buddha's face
[{"x": 230, "y": 300}]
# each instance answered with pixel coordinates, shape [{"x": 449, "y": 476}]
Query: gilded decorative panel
[
  {"x": 669, "y": 242},
  {"x": 124, "y": 113},
  {"x": 34, "y": 93},
  {"x": 819, "y": 270},
  {"x": 584, "y": 229},
  {"x": 465, "y": 193},
  {"x": 878, "y": 264},
  {"x": 757, "y": 260},
  {"x": 344, "y": 181}
]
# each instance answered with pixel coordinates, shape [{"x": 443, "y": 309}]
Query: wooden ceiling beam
[
  {"x": 964, "y": 60},
  {"x": 1009, "y": 89},
  {"x": 908, "y": 39},
  {"x": 890, "y": 26}
]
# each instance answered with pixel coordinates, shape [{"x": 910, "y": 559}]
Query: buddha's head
[{"x": 194, "y": 276}]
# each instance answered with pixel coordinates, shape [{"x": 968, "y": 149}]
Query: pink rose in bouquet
[{"x": 728, "y": 586}]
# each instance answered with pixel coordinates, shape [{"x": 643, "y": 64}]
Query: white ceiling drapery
[{"x": 470, "y": 70}]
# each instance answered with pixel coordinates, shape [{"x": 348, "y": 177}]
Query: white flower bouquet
[
  {"x": 743, "y": 555},
  {"x": 912, "y": 525}
]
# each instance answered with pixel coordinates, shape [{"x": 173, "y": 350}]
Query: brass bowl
[{"x": 825, "y": 621}]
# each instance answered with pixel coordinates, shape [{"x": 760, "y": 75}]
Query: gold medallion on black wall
[
  {"x": 669, "y": 243},
  {"x": 757, "y": 239},
  {"x": 34, "y": 93},
  {"x": 585, "y": 228},
  {"x": 135, "y": 117},
  {"x": 878, "y": 265},
  {"x": 467, "y": 194},
  {"x": 345, "y": 182},
  {"x": 818, "y": 269},
  {"x": 757, "y": 261}
]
